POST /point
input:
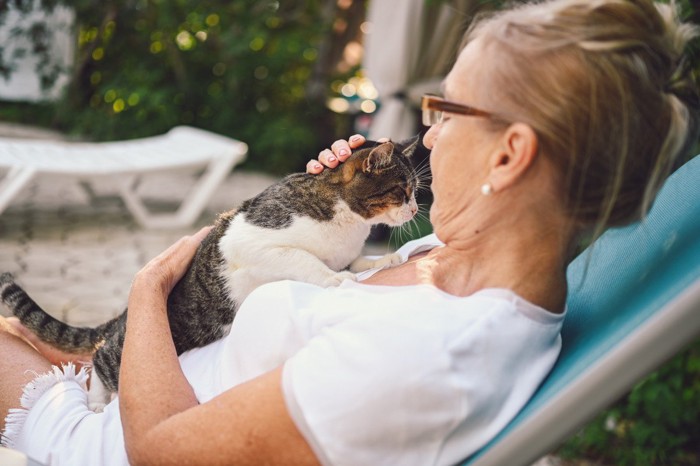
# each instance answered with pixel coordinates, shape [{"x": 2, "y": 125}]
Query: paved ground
[{"x": 76, "y": 257}]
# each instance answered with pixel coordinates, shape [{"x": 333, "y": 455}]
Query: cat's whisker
[
  {"x": 422, "y": 170},
  {"x": 399, "y": 233},
  {"x": 424, "y": 163},
  {"x": 422, "y": 189},
  {"x": 422, "y": 180},
  {"x": 423, "y": 173},
  {"x": 392, "y": 234},
  {"x": 405, "y": 234}
]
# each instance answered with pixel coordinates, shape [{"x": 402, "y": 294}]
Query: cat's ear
[
  {"x": 408, "y": 147},
  {"x": 379, "y": 157},
  {"x": 348, "y": 170}
]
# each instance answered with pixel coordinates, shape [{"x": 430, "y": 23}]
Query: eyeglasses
[{"x": 434, "y": 109}]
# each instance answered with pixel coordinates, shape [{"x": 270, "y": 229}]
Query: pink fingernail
[
  {"x": 331, "y": 158},
  {"x": 355, "y": 137},
  {"x": 343, "y": 152},
  {"x": 317, "y": 166}
]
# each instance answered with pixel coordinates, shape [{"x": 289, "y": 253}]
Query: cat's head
[{"x": 379, "y": 181}]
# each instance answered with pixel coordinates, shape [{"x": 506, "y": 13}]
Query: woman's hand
[
  {"x": 339, "y": 152},
  {"x": 165, "y": 270},
  {"x": 54, "y": 355}
]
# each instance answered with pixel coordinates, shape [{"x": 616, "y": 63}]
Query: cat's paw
[
  {"x": 364, "y": 263},
  {"x": 98, "y": 396},
  {"x": 339, "y": 278},
  {"x": 96, "y": 406},
  {"x": 389, "y": 260}
]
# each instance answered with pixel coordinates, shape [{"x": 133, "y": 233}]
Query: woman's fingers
[
  {"x": 339, "y": 152},
  {"x": 201, "y": 234},
  {"x": 170, "y": 265},
  {"x": 356, "y": 141},
  {"x": 328, "y": 158},
  {"x": 181, "y": 253},
  {"x": 342, "y": 149},
  {"x": 314, "y": 167}
]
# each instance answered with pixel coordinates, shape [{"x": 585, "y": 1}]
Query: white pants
[{"x": 55, "y": 426}]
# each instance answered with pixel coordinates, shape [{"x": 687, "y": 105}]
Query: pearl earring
[{"x": 486, "y": 189}]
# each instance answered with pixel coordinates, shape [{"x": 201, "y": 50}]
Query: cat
[{"x": 305, "y": 227}]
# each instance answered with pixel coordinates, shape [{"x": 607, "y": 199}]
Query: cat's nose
[{"x": 413, "y": 206}]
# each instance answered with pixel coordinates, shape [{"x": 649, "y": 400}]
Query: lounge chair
[
  {"x": 636, "y": 305},
  {"x": 181, "y": 148},
  {"x": 634, "y": 302}
]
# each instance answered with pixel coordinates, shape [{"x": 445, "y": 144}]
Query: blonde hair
[{"x": 603, "y": 85}]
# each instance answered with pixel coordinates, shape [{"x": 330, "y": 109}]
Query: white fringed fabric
[{"x": 32, "y": 392}]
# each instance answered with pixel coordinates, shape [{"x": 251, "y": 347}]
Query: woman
[{"x": 558, "y": 119}]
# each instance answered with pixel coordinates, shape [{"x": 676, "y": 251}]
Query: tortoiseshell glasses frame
[{"x": 434, "y": 108}]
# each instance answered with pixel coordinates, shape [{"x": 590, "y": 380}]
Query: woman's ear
[{"x": 515, "y": 155}]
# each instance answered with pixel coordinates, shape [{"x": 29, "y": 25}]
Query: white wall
[{"x": 24, "y": 83}]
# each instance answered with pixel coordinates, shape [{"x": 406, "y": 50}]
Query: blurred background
[{"x": 288, "y": 78}]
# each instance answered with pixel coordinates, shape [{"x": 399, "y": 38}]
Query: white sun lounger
[{"x": 180, "y": 148}]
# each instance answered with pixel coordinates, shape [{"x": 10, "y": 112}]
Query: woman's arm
[
  {"x": 152, "y": 386},
  {"x": 162, "y": 420}
]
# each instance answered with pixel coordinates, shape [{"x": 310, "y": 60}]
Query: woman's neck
[{"x": 527, "y": 259}]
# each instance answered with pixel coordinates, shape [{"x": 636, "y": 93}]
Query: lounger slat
[{"x": 182, "y": 147}]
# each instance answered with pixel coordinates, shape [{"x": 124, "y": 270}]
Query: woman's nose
[{"x": 429, "y": 137}]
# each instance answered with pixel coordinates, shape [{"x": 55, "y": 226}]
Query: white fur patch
[{"x": 308, "y": 250}]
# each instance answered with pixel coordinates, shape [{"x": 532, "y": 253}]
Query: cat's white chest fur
[{"x": 308, "y": 250}]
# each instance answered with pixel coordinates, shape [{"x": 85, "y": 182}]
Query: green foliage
[
  {"x": 242, "y": 68},
  {"x": 655, "y": 424},
  {"x": 36, "y": 114}
]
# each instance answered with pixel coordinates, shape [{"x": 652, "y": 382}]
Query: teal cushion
[{"x": 621, "y": 281}]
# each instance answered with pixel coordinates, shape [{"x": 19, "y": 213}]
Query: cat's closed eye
[{"x": 403, "y": 193}]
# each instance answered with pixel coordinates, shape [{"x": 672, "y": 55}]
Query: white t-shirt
[
  {"x": 372, "y": 374},
  {"x": 392, "y": 375}
]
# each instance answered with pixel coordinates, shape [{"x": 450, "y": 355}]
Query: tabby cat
[{"x": 305, "y": 227}]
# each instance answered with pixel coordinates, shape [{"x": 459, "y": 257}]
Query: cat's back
[
  {"x": 300, "y": 211},
  {"x": 299, "y": 194}
]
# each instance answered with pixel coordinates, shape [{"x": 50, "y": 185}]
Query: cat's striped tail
[{"x": 47, "y": 328}]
